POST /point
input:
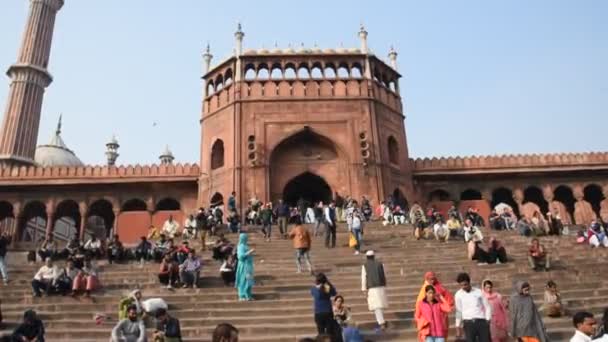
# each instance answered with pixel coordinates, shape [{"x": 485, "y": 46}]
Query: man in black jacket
[{"x": 167, "y": 327}]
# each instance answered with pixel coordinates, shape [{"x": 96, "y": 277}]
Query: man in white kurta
[
  {"x": 170, "y": 228},
  {"x": 373, "y": 282}
]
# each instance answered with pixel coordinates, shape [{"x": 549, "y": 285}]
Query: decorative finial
[
  {"x": 362, "y": 28},
  {"x": 276, "y": 44},
  {"x": 208, "y": 49},
  {"x": 58, "y": 130}
]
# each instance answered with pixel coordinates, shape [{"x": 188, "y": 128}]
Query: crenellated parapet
[
  {"x": 26, "y": 175},
  {"x": 507, "y": 163}
]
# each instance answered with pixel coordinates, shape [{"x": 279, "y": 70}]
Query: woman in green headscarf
[{"x": 244, "y": 269}]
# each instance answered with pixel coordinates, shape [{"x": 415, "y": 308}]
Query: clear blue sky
[{"x": 480, "y": 77}]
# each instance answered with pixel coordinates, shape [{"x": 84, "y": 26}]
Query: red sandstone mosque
[{"x": 280, "y": 123}]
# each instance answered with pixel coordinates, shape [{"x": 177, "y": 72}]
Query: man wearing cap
[{"x": 373, "y": 282}]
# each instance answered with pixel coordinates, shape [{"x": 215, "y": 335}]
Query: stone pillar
[
  {"x": 82, "y": 207},
  {"x": 50, "y": 221},
  {"x": 518, "y": 197},
  {"x": 29, "y": 77},
  {"x": 17, "y": 219},
  {"x": 548, "y": 195},
  {"x": 114, "y": 229}
]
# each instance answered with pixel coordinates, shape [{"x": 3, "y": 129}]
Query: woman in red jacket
[{"x": 430, "y": 316}]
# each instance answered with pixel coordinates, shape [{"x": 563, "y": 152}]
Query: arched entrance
[
  {"x": 310, "y": 165},
  {"x": 309, "y": 187}
]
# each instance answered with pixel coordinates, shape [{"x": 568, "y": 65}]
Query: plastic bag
[
  {"x": 352, "y": 241},
  {"x": 153, "y": 304}
]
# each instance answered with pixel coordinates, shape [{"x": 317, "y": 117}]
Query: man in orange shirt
[{"x": 302, "y": 243}]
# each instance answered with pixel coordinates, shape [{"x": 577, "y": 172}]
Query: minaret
[
  {"x": 166, "y": 158},
  {"x": 392, "y": 56},
  {"x": 238, "y": 50},
  {"x": 112, "y": 151},
  {"x": 207, "y": 56},
  {"x": 29, "y": 77},
  {"x": 363, "y": 37},
  {"x": 238, "y": 36}
]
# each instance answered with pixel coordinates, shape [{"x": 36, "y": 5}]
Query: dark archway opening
[
  {"x": 504, "y": 195},
  {"x": 564, "y": 195},
  {"x": 33, "y": 223},
  {"x": 6, "y": 218},
  {"x": 67, "y": 221},
  {"x": 168, "y": 204},
  {"x": 535, "y": 195},
  {"x": 100, "y": 220},
  {"x": 400, "y": 199},
  {"x": 308, "y": 186},
  {"x": 216, "y": 199},
  {"x": 134, "y": 204},
  {"x": 593, "y": 195},
  {"x": 217, "y": 154},
  {"x": 439, "y": 195},
  {"x": 470, "y": 195}
]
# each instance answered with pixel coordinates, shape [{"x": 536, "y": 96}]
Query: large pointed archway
[
  {"x": 307, "y": 164},
  {"x": 309, "y": 187}
]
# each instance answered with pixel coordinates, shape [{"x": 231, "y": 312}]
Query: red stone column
[
  {"x": 83, "y": 219},
  {"x": 50, "y": 221},
  {"x": 115, "y": 223},
  {"x": 17, "y": 218}
]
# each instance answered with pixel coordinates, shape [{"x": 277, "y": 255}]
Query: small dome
[
  {"x": 263, "y": 51},
  {"x": 49, "y": 155},
  {"x": 354, "y": 50},
  {"x": 329, "y": 51},
  {"x": 289, "y": 50},
  {"x": 303, "y": 50},
  {"x": 56, "y": 153},
  {"x": 250, "y": 52},
  {"x": 341, "y": 50},
  {"x": 276, "y": 51}
]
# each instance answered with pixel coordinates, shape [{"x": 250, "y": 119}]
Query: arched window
[
  {"x": 343, "y": 72},
  {"x": 290, "y": 72},
  {"x": 134, "y": 204},
  {"x": 393, "y": 150},
  {"x": 316, "y": 72},
  {"x": 228, "y": 78},
  {"x": 250, "y": 74},
  {"x": 330, "y": 72},
  {"x": 355, "y": 71},
  {"x": 217, "y": 154},
  {"x": 263, "y": 73},
  {"x": 210, "y": 88},
  {"x": 276, "y": 73},
  {"x": 168, "y": 203},
  {"x": 219, "y": 83},
  {"x": 303, "y": 72}
]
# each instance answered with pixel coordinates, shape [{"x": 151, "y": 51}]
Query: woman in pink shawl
[{"x": 498, "y": 323}]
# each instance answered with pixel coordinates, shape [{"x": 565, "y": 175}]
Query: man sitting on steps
[
  {"x": 190, "y": 270},
  {"x": 45, "y": 278}
]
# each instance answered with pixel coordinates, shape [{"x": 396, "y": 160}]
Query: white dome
[
  {"x": 56, "y": 153},
  {"x": 49, "y": 155}
]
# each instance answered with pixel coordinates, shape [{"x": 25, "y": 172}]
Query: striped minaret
[{"x": 29, "y": 77}]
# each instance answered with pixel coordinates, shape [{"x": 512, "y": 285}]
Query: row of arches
[
  {"x": 303, "y": 71},
  {"x": 563, "y": 194},
  {"x": 66, "y": 220}
]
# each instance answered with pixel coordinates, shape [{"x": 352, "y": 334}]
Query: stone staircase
[{"x": 283, "y": 307}]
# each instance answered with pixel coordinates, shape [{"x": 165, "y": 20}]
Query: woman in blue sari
[{"x": 244, "y": 269}]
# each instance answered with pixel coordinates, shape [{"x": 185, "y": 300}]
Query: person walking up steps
[
  {"x": 319, "y": 217},
  {"x": 301, "y": 243},
  {"x": 373, "y": 282}
]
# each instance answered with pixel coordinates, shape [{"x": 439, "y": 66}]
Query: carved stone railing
[
  {"x": 592, "y": 160},
  {"x": 97, "y": 174}
]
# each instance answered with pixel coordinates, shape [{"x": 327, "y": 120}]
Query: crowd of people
[{"x": 481, "y": 314}]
